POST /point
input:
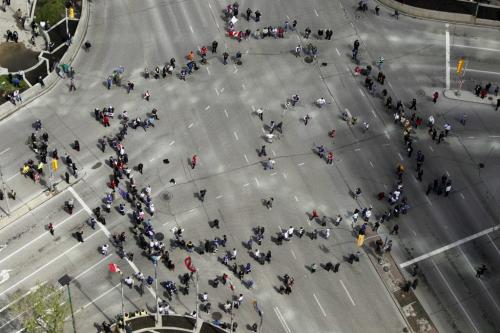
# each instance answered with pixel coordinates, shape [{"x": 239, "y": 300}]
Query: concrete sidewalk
[
  {"x": 407, "y": 302},
  {"x": 468, "y": 96}
]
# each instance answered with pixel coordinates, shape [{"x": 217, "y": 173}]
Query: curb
[
  {"x": 7, "y": 109},
  {"x": 36, "y": 202},
  {"x": 467, "y": 96}
]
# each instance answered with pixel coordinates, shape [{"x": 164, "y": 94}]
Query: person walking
[
  {"x": 435, "y": 97},
  {"x": 480, "y": 271},
  {"x": 72, "y": 85},
  {"x": 202, "y": 194},
  {"x": 194, "y": 160},
  {"x": 225, "y": 56},
  {"x": 140, "y": 168},
  {"x": 413, "y": 104},
  {"x": 262, "y": 151},
  {"x": 50, "y": 226},
  {"x": 395, "y": 229},
  {"x": 420, "y": 174},
  {"x": 214, "y": 46},
  {"x": 79, "y": 236},
  {"x": 306, "y": 119},
  {"x": 314, "y": 215},
  {"x": 260, "y": 113}
]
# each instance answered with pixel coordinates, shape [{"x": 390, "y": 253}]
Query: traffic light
[
  {"x": 54, "y": 164},
  {"x": 460, "y": 66},
  {"x": 71, "y": 13},
  {"x": 361, "y": 240}
]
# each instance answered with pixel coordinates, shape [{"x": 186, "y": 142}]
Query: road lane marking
[
  {"x": 455, "y": 296},
  {"x": 319, "y": 304},
  {"x": 361, "y": 92},
  {"x": 171, "y": 143},
  {"x": 282, "y": 320},
  {"x": 246, "y": 158},
  {"x": 216, "y": 91},
  {"x": 284, "y": 175},
  {"x": 256, "y": 181},
  {"x": 431, "y": 149},
  {"x": 462, "y": 195},
  {"x": 357, "y": 149},
  {"x": 207, "y": 107},
  {"x": 208, "y": 70},
  {"x": 219, "y": 196},
  {"x": 227, "y": 115},
  {"x": 247, "y": 184},
  {"x": 191, "y": 28},
  {"x": 91, "y": 267},
  {"x": 338, "y": 53},
  {"x": 316, "y": 12},
  {"x": 450, "y": 246},
  {"x": 400, "y": 157},
  {"x": 4, "y": 151},
  {"x": 414, "y": 233},
  {"x": 274, "y": 153},
  {"x": 45, "y": 233},
  {"x": 293, "y": 255},
  {"x": 296, "y": 199},
  {"x": 347, "y": 291},
  {"x": 387, "y": 134},
  {"x": 96, "y": 299},
  {"x": 190, "y": 125},
  {"x": 235, "y": 135},
  {"x": 243, "y": 86},
  {"x": 371, "y": 164},
  {"x": 274, "y": 173},
  {"x": 428, "y": 200},
  {"x": 301, "y": 163},
  {"x": 474, "y": 47}
]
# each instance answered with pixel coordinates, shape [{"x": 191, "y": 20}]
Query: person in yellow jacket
[{"x": 26, "y": 169}]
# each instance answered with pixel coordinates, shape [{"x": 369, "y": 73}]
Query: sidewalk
[
  {"x": 468, "y": 96},
  {"x": 407, "y": 302}
]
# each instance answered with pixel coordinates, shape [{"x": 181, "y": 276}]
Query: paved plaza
[{"x": 212, "y": 114}]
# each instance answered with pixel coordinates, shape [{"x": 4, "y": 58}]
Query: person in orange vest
[{"x": 190, "y": 56}]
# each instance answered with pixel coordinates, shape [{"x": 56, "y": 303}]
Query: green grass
[
  {"x": 51, "y": 11},
  {"x": 7, "y": 87}
]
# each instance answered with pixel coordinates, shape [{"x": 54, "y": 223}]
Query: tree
[{"x": 43, "y": 309}]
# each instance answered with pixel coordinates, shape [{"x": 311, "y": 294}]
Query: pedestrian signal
[
  {"x": 460, "y": 66},
  {"x": 71, "y": 13},
  {"x": 54, "y": 165},
  {"x": 361, "y": 240}
]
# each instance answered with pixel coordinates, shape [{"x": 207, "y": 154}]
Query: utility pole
[
  {"x": 6, "y": 195},
  {"x": 65, "y": 281}
]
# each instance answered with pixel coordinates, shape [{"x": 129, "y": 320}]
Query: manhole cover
[
  {"x": 167, "y": 196},
  {"x": 216, "y": 315},
  {"x": 97, "y": 165},
  {"x": 159, "y": 236},
  {"x": 420, "y": 92},
  {"x": 308, "y": 59}
]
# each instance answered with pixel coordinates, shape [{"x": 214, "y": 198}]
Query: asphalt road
[{"x": 212, "y": 115}]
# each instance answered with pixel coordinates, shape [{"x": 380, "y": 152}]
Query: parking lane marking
[{"x": 319, "y": 304}]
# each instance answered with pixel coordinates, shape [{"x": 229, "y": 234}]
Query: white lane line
[
  {"x": 12, "y": 177},
  {"x": 190, "y": 125},
  {"x": 361, "y": 92},
  {"x": 274, "y": 153},
  {"x": 316, "y": 12},
  {"x": 207, "y": 107},
  {"x": 17, "y": 300},
  {"x": 247, "y": 184},
  {"x": 191, "y": 28},
  {"x": 235, "y": 71},
  {"x": 227, "y": 115},
  {"x": 462, "y": 195},
  {"x": 447, "y": 173},
  {"x": 274, "y": 173},
  {"x": 282, "y": 320},
  {"x": 480, "y": 71},
  {"x": 400, "y": 157},
  {"x": 217, "y": 24},
  {"x": 450, "y": 246},
  {"x": 106, "y": 232},
  {"x": 428, "y": 200},
  {"x": 371, "y": 164},
  {"x": 301, "y": 163},
  {"x": 347, "y": 291},
  {"x": 474, "y": 47},
  {"x": 352, "y": 24},
  {"x": 494, "y": 136},
  {"x": 470, "y": 137},
  {"x": 40, "y": 236},
  {"x": 253, "y": 108},
  {"x": 414, "y": 233},
  {"x": 447, "y": 60},
  {"x": 208, "y": 70},
  {"x": 217, "y": 91},
  {"x": 338, "y": 53},
  {"x": 296, "y": 199},
  {"x": 91, "y": 267},
  {"x": 319, "y": 304},
  {"x": 374, "y": 114},
  {"x": 455, "y": 296},
  {"x": 256, "y": 181},
  {"x": 284, "y": 175},
  {"x": 47, "y": 264},
  {"x": 390, "y": 85},
  {"x": 494, "y": 245},
  {"x": 171, "y": 143},
  {"x": 219, "y": 196},
  {"x": 236, "y": 136},
  {"x": 96, "y": 299},
  {"x": 221, "y": 90},
  {"x": 387, "y": 134},
  {"x": 431, "y": 149},
  {"x": 357, "y": 149},
  {"x": 243, "y": 86},
  {"x": 246, "y": 158},
  {"x": 4, "y": 151},
  {"x": 293, "y": 255}
]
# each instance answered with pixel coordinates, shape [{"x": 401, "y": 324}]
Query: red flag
[
  {"x": 113, "y": 268},
  {"x": 189, "y": 264}
]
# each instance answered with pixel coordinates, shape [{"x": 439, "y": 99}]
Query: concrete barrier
[
  {"x": 7, "y": 109},
  {"x": 438, "y": 15}
]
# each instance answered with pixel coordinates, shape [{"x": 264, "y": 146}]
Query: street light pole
[{"x": 71, "y": 307}]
